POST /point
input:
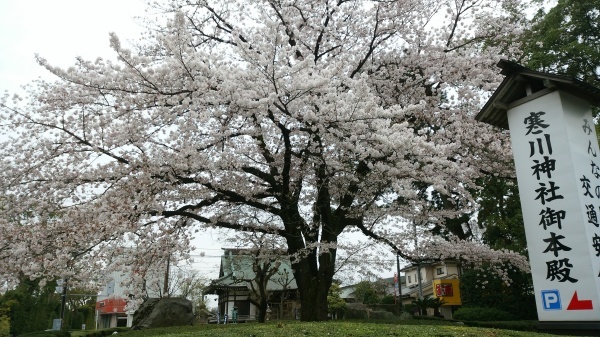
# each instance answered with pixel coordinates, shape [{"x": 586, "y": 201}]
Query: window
[
  {"x": 409, "y": 281},
  {"x": 440, "y": 270}
]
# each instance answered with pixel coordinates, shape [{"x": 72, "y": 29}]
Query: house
[
  {"x": 438, "y": 279},
  {"x": 111, "y": 305},
  {"x": 348, "y": 295},
  {"x": 237, "y": 279}
]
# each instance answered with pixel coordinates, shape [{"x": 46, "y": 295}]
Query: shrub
[
  {"x": 52, "y": 333},
  {"x": 110, "y": 331},
  {"x": 481, "y": 314},
  {"x": 388, "y": 299},
  {"x": 4, "y": 322},
  {"x": 518, "y": 298},
  {"x": 411, "y": 309}
]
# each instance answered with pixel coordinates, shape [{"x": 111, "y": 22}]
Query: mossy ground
[{"x": 333, "y": 329}]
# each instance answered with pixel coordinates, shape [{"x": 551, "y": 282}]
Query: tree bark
[
  {"x": 313, "y": 267},
  {"x": 314, "y": 280},
  {"x": 262, "y": 311},
  {"x": 313, "y": 299}
]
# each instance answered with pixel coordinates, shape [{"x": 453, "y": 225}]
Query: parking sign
[{"x": 551, "y": 299}]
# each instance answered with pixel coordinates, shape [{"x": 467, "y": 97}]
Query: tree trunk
[
  {"x": 313, "y": 269},
  {"x": 262, "y": 311},
  {"x": 313, "y": 299},
  {"x": 313, "y": 284}
]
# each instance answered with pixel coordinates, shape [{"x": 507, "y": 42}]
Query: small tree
[
  {"x": 263, "y": 269},
  {"x": 423, "y": 304},
  {"x": 31, "y": 307},
  {"x": 335, "y": 303},
  {"x": 369, "y": 292},
  {"x": 283, "y": 278},
  {"x": 436, "y": 303},
  {"x": 81, "y": 304}
]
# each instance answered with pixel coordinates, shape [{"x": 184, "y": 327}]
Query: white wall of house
[
  {"x": 347, "y": 292},
  {"x": 431, "y": 272}
]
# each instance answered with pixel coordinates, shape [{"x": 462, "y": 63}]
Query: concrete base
[
  {"x": 586, "y": 328},
  {"x": 446, "y": 311}
]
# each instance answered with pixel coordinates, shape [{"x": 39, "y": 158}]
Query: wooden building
[{"x": 238, "y": 284}]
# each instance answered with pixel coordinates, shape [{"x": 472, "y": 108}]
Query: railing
[{"x": 240, "y": 319}]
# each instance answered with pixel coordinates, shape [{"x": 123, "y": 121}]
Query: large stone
[{"x": 163, "y": 312}]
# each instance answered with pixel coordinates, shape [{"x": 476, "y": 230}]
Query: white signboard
[{"x": 558, "y": 170}]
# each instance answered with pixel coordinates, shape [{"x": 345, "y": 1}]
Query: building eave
[{"x": 522, "y": 84}]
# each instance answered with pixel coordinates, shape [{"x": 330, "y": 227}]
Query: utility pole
[
  {"x": 420, "y": 287},
  {"x": 166, "y": 282},
  {"x": 398, "y": 275},
  {"x": 63, "y": 303}
]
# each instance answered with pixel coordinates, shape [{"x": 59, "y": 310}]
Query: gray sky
[{"x": 59, "y": 30}]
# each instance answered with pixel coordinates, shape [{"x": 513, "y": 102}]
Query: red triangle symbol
[{"x": 577, "y": 304}]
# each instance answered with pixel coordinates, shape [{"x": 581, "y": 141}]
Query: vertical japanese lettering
[
  {"x": 560, "y": 270},
  {"x": 591, "y": 149},
  {"x": 547, "y": 194},
  {"x": 591, "y": 215},
  {"x": 585, "y": 184},
  {"x": 540, "y": 146},
  {"x": 545, "y": 167},
  {"x": 534, "y": 122},
  {"x": 554, "y": 244},
  {"x": 587, "y": 129},
  {"x": 551, "y": 217},
  {"x": 596, "y": 243},
  {"x": 595, "y": 170}
]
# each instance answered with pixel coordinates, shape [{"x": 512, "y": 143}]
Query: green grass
[{"x": 332, "y": 329}]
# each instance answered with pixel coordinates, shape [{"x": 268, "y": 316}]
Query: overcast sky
[{"x": 59, "y": 30}]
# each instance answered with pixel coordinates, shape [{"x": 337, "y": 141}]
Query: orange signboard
[
  {"x": 448, "y": 290},
  {"x": 111, "y": 306}
]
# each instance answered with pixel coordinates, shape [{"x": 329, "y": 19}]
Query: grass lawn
[{"x": 331, "y": 329}]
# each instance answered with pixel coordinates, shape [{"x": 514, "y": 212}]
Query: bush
[
  {"x": 4, "y": 323},
  {"x": 517, "y": 299},
  {"x": 395, "y": 309},
  {"x": 411, "y": 309},
  {"x": 388, "y": 299},
  {"x": 52, "y": 333},
  {"x": 481, "y": 314}
]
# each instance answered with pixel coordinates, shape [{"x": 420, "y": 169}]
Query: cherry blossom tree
[{"x": 300, "y": 119}]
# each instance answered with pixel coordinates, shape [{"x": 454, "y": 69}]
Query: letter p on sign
[{"x": 551, "y": 300}]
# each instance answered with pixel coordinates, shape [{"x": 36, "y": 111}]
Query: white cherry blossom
[{"x": 303, "y": 119}]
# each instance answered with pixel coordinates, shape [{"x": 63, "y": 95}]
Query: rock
[{"x": 163, "y": 312}]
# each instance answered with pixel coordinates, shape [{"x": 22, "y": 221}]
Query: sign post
[{"x": 557, "y": 162}]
